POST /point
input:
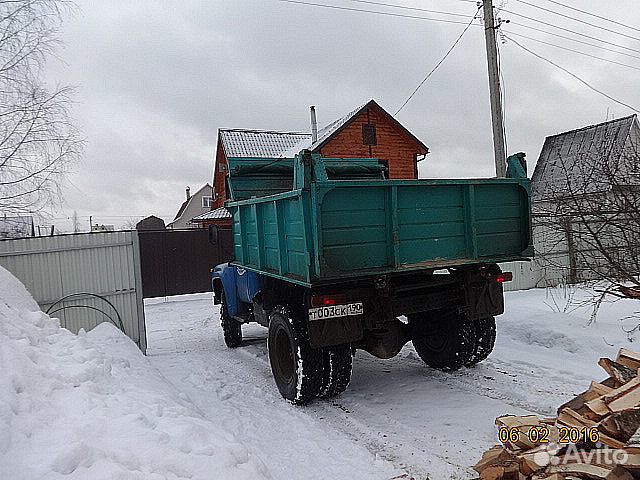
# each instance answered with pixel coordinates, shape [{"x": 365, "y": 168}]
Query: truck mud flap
[{"x": 335, "y": 331}]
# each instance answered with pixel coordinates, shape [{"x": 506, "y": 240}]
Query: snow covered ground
[
  {"x": 91, "y": 406},
  {"x": 426, "y": 423}
]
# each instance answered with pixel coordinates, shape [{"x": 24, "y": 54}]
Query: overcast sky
[{"x": 157, "y": 79}]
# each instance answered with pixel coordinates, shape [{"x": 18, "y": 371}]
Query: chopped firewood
[
  {"x": 631, "y": 399},
  {"x": 501, "y": 472},
  {"x": 621, "y": 425},
  {"x": 628, "y": 359},
  {"x": 599, "y": 472},
  {"x": 537, "y": 458},
  {"x": 494, "y": 456},
  {"x": 622, "y": 390},
  {"x": 596, "y": 390},
  {"x": 571, "y": 418},
  {"x": 523, "y": 424},
  {"x": 612, "y": 407},
  {"x": 621, "y": 373},
  {"x": 597, "y": 408}
]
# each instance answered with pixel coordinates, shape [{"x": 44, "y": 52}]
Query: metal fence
[{"x": 103, "y": 264}]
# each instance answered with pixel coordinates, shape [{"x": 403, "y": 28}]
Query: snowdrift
[{"x": 92, "y": 406}]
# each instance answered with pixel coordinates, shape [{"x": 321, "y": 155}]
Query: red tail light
[
  {"x": 503, "y": 277},
  {"x": 325, "y": 300}
]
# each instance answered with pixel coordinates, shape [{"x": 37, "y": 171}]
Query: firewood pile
[{"x": 596, "y": 435}]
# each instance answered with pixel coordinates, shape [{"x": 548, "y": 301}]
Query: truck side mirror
[{"x": 213, "y": 234}]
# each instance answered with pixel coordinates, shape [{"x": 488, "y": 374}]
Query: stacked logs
[{"x": 596, "y": 435}]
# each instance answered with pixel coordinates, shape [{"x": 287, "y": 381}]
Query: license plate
[{"x": 333, "y": 311}]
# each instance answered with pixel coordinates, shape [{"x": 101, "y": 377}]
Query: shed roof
[
  {"x": 575, "y": 160},
  {"x": 212, "y": 215}
]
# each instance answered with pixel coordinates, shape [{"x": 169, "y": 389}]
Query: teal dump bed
[{"x": 322, "y": 228}]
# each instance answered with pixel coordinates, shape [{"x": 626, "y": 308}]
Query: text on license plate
[{"x": 333, "y": 311}]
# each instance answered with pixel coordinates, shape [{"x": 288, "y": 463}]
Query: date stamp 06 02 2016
[{"x": 539, "y": 434}]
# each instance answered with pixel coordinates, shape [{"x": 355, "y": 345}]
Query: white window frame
[{"x": 206, "y": 204}]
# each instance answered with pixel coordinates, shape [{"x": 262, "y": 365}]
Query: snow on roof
[
  {"x": 572, "y": 159},
  {"x": 212, "y": 215},
  {"x": 323, "y": 134},
  {"x": 259, "y": 143}
]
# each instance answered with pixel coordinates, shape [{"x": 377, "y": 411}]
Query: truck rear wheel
[
  {"x": 297, "y": 368},
  {"x": 445, "y": 341},
  {"x": 485, "y": 339},
  {"x": 336, "y": 370},
  {"x": 231, "y": 328}
]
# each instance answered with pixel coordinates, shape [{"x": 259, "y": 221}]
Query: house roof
[
  {"x": 184, "y": 205},
  {"x": 573, "y": 160},
  {"x": 273, "y": 144},
  {"x": 212, "y": 215},
  {"x": 258, "y": 143}
]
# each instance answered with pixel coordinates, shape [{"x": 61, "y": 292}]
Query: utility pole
[
  {"x": 494, "y": 89},
  {"x": 90, "y": 223}
]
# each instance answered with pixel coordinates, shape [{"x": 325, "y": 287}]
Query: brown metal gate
[{"x": 176, "y": 262}]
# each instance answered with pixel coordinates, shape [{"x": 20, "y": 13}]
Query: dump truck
[{"x": 333, "y": 257}]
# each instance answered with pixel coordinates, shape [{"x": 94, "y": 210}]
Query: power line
[
  {"x": 376, "y": 12},
  {"x": 594, "y": 15},
  {"x": 439, "y": 63},
  {"x": 572, "y": 31},
  {"x": 584, "y": 82},
  {"x": 548, "y": 10},
  {"x": 406, "y": 7},
  {"x": 574, "y": 39},
  {"x": 572, "y": 50}
]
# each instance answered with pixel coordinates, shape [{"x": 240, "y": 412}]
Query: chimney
[
  {"x": 188, "y": 193},
  {"x": 314, "y": 125}
]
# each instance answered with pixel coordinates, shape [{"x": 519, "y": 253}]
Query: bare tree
[{"x": 38, "y": 141}]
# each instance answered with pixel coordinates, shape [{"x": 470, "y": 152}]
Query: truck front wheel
[
  {"x": 231, "y": 328},
  {"x": 445, "y": 340},
  {"x": 297, "y": 368}
]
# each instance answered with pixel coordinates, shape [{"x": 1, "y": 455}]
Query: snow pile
[{"x": 92, "y": 406}]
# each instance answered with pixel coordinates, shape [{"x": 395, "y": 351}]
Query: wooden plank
[
  {"x": 629, "y": 358},
  {"x": 494, "y": 456},
  {"x": 627, "y": 401},
  {"x": 598, "y": 408},
  {"x": 571, "y": 418},
  {"x": 620, "y": 391},
  {"x": 619, "y": 372}
]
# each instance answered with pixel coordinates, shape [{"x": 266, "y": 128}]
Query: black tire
[
  {"x": 296, "y": 367},
  {"x": 231, "y": 328},
  {"x": 445, "y": 340},
  {"x": 485, "y": 339},
  {"x": 337, "y": 364}
]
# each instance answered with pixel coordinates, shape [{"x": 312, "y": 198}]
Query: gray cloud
[{"x": 157, "y": 79}]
